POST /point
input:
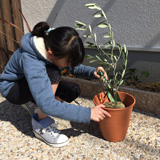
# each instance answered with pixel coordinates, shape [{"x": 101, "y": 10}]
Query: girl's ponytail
[{"x": 39, "y": 29}]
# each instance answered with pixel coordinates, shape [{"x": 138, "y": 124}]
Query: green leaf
[
  {"x": 107, "y": 36},
  {"x": 102, "y": 25},
  {"x": 107, "y": 46},
  {"x": 98, "y": 58},
  {"x": 116, "y": 75},
  {"x": 123, "y": 55},
  {"x": 90, "y": 43},
  {"x": 125, "y": 49},
  {"x": 108, "y": 54},
  {"x": 80, "y": 23},
  {"x": 95, "y": 37},
  {"x": 82, "y": 29},
  {"x": 125, "y": 63},
  {"x": 92, "y": 6},
  {"x": 126, "y": 53},
  {"x": 105, "y": 60},
  {"x": 90, "y": 28},
  {"x": 92, "y": 61},
  {"x": 103, "y": 63},
  {"x": 121, "y": 82},
  {"x": 98, "y": 14},
  {"x": 115, "y": 58},
  {"x": 87, "y": 36},
  {"x": 123, "y": 73},
  {"x": 113, "y": 43}
]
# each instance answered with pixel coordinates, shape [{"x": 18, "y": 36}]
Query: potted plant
[{"x": 113, "y": 57}]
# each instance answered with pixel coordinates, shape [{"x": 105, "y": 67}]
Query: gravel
[{"x": 17, "y": 140}]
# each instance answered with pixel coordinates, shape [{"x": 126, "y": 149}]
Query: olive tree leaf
[
  {"x": 123, "y": 73},
  {"x": 102, "y": 25},
  {"x": 107, "y": 46},
  {"x": 114, "y": 60},
  {"x": 93, "y": 61},
  {"x": 89, "y": 56},
  {"x": 121, "y": 82},
  {"x": 95, "y": 37},
  {"x": 115, "y": 57},
  {"x": 90, "y": 28},
  {"x": 90, "y": 44},
  {"x": 92, "y": 6},
  {"x": 83, "y": 29},
  {"x": 78, "y": 23},
  {"x": 113, "y": 43},
  {"x": 107, "y": 36},
  {"x": 98, "y": 14},
  {"x": 81, "y": 25},
  {"x": 87, "y": 36},
  {"x": 125, "y": 49},
  {"x": 98, "y": 58}
]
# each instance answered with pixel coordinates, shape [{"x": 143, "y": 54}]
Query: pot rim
[{"x": 111, "y": 109}]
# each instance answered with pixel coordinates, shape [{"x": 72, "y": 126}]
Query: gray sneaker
[{"x": 46, "y": 131}]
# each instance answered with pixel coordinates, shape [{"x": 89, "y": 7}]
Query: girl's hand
[
  {"x": 98, "y": 113},
  {"x": 100, "y": 69}
]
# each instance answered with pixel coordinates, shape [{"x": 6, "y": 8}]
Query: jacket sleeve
[
  {"x": 40, "y": 87},
  {"x": 83, "y": 71}
]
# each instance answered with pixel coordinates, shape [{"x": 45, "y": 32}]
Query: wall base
[{"x": 145, "y": 100}]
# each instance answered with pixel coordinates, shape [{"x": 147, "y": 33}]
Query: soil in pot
[{"x": 114, "y": 105}]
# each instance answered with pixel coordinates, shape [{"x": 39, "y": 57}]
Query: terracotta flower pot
[{"x": 115, "y": 128}]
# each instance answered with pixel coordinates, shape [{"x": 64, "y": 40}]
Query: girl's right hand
[{"x": 98, "y": 113}]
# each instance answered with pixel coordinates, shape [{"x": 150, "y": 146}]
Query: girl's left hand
[{"x": 100, "y": 69}]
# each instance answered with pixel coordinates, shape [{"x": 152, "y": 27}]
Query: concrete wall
[
  {"x": 142, "y": 61},
  {"x": 134, "y": 22}
]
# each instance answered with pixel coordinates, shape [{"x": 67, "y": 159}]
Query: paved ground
[{"x": 17, "y": 141}]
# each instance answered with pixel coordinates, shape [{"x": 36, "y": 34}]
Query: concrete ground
[{"x": 17, "y": 141}]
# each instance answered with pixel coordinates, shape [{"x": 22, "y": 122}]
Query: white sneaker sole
[{"x": 51, "y": 144}]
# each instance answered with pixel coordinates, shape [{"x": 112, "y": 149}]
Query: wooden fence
[{"x": 9, "y": 36}]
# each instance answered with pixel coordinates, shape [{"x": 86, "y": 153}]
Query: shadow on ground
[
  {"x": 21, "y": 119},
  {"x": 78, "y": 129},
  {"x": 17, "y": 116}
]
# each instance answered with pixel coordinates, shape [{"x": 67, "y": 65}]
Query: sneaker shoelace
[{"x": 52, "y": 129}]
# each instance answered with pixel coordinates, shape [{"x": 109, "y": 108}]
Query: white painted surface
[{"x": 135, "y": 22}]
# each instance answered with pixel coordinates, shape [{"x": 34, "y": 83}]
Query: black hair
[{"x": 63, "y": 42}]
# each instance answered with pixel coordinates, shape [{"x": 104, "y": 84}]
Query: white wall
[{"x": 135, "y": 23}]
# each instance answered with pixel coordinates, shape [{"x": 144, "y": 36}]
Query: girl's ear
[{"x": 49, "y": 52}]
